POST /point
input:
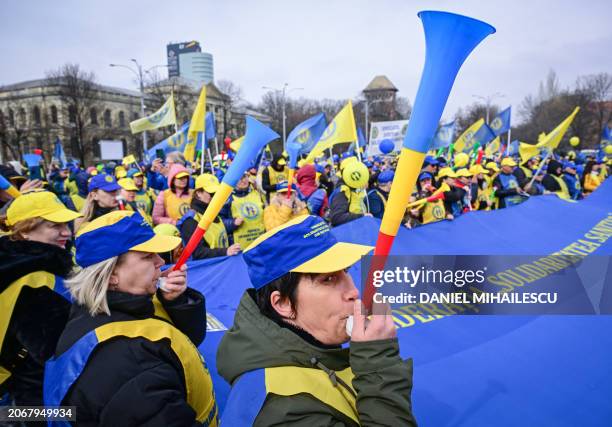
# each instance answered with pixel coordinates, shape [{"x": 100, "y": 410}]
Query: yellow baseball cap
[
  {"x": 463, "y": 172},
  {"x": 493, "y": 166},
  {"x": 476, "y": 169},
  {"x": 508, "y": 161},
  {"x": 207, "y": 182},
  {"x": 127, "y": 184},
  {"x": 116, "y": 233},
  {"x": 446, "y": 173},
  {"x": 39, "y": 204},
  {"x": 181, "y": 175}
]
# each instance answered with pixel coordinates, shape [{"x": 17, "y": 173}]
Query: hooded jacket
[
  {"x": 383, "y": 381},
  {"x": 38, "y": 316},
  {"x": 315, "y": 197},
  {"x": 160, "y": 212}
]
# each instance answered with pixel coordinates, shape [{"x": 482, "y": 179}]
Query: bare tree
[
  {"x": 598, "y": 87},
  {"x": 233, "y": 96},
  {"x": 78, "y": 92}
]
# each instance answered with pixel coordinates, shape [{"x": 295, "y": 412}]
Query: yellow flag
[
  {"x": 128, "y": 160},
  {"x": 341, "y": 129},
  {"x": 527, "y": 151},
  {"x": 464, "y": 142},
  {"x": 553, "y": 139},
  {"x": 493, "y": 147},
  {"x": 197, "y": 125},
  {"x": 165, "y": 116},
  {"x": 236, "y": 144}
]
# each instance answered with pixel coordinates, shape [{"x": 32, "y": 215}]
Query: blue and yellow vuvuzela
[{"x": 449, "y": 39}]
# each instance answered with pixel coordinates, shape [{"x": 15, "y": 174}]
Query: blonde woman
[
  {"x": 128, "y": 354},
  {"x": 102, "y": 198},
  {"x": 33, "y": 303}
]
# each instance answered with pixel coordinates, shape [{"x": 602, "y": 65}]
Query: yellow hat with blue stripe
[
  {"x": 116, "y": 233},
  {"x": 302, "y": 245}
]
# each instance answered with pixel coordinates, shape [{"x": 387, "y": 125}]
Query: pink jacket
[{"x": 160, "y": 215}]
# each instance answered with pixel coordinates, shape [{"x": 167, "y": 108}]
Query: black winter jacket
[
  {"x": 38, "y": 317},
  {"x": 134, "y": 381}
]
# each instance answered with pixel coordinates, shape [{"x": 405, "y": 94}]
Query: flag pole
[
  {"x": 539, "y": 168},
  {"x": 212, "y": 168}
]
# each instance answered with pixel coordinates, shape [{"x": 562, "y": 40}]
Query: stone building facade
[{"x": 33, "y": 114}]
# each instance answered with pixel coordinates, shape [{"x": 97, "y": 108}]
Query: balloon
[
  {"x": 356, "y": 175},
  {"x": 461, "y": 160},
  {"x": 608, "y": 149},
  {"x": 386, "y": 146},
  {"x": 574, "y": 141}
]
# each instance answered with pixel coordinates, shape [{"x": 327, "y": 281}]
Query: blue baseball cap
[
  {"x": 429, "y": 160},
  {"x": 116, "y": 233},
  {"x": 425, "y": 175},
  {"x": 104, "y": 182},
  {"x": 385, "y": 176},
  {"x": 302, "y": 245},
  {"x": 132, "y": 172}
]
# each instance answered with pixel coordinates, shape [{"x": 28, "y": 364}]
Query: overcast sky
[{"x": 332, "y": 49}]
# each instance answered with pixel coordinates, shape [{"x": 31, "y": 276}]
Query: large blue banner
[{"x": 479, "y": 370}]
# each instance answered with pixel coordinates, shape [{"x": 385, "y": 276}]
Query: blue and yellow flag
[
  {"x": 501, "y": 123},
  {"x": 175, "y": 142},
  {"x": 341, "y": 129},
  {"x": 444, "y": 136},
  {"x": 165, "y": 116},
  {"x": 308, "y": 132},
  {"x": 464, "y": 143},
  {"x": 493, "y": 147}
]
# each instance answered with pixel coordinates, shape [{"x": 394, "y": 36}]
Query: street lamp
[
  {"x": 487, "y": 99},
  {"x": 139, "y": 72},
  {"x": 283, "y": 101}
]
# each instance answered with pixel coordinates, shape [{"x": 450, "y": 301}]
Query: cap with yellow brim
[
  {"x": 303, "y": 245},
  {"x": 39, "y": 204},
  {"x": 116, "y": 233},
  {"x": 127, "y": 184}
]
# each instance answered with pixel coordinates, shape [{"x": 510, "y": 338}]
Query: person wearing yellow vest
[
  {"x": 173, "y": 203},
  {"x": 247, "y": 208},
  {"x": 481, "y": 190},
  {"x": 145, "y": 197},
  {"x": 282, "y": 208},
  {"x": 127, "y": 198},
  {"x": 34, "y": 306},
  {"x": 553, "y": 180},
  {"x": 215, "y": 242},
  {"x": 347, "y": 202},
  {"x": 590, "y": 177},
  {"x": 284, "y": 355},
  {"x": 525, "y": 171},
  {"x": 432, "y": 211},
  {"x": 273, "y": 175},
  {"x": 128, "y": 354}
]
